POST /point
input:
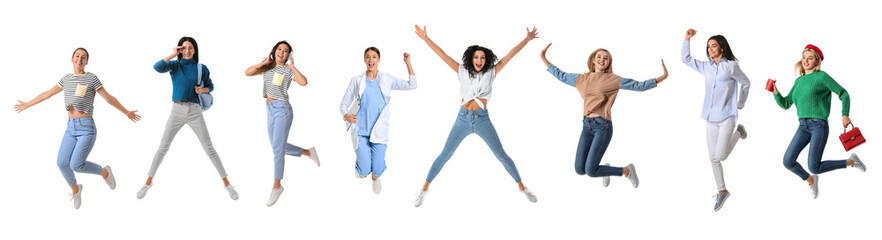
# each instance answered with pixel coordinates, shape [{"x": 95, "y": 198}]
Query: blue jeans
[
  {"x": 370, "y": 157},
  {"x": 75, "y": 147},
  {"x": 814, "y": 131},
  {"x": 596, "y": 134},
  {"x": 468, "y": 122},
  {"x": 279, "y": 116}
]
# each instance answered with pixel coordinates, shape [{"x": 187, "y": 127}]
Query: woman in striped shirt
[
  {"x": 277, "y": 78},
  {"x": 79, "y": 95}
]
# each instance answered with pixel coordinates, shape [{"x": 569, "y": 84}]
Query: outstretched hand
[
  {"x": 421, "y": 32},
  {"x": 545, "y": 50},
  {"x": 132, "y": 116},
  {"x": 21, "y": 106},
  {"x": 663, "y": 76},
  {"x": 532, "y": 34}
]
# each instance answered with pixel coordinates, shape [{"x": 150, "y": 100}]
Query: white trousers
[{"x": 721, "y": 139}]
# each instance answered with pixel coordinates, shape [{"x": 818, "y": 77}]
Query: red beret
[{"x": 813, "y": 47}]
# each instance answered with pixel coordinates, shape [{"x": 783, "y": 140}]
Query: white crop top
[{"x": 472, "y": 88}]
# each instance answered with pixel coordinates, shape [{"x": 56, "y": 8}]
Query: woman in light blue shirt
[
  {"x": 367, "y": 118},
  {"x": 722, "y": 100}
]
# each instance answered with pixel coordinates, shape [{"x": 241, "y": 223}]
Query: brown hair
[
  {"x": 800, "y": 70},
  {"x": 373, "y": 49},
  {"x": 84, "y": 50},
  {"x": 591, "y": 60}
]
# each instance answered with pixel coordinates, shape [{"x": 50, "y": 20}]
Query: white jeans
[
  {"x": 191, "y": 114},
  {"x": 721, "y": 139}
]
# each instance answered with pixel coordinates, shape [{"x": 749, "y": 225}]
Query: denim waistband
[
  {"x": 465, "y": 111},
  {"x": 79, "y": 120}
]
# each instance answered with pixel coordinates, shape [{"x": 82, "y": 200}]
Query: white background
[{"x": 537, "y": 117}]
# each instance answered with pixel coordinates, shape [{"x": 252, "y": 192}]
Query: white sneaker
[
  {"x": 814, "y": 187},
  {"x": 605, "y": 178},
  {"x": 858, "y": 163},
  {"x": 143, "y": 191},
  {"x": 274, "y": 196},
  {"x": 530, "y": 195},
  {"x": 420, "y": 197},
  {"x": 232, "y": 190},
  {"x": 377, "y": 186},
  {"x": 313, "y": 155},
  {"x": 77, "y": 197},
  {"x": 633, "y": 176},
  {"x": 110, "y": 180},
  {"x": 358, "y": 175}
]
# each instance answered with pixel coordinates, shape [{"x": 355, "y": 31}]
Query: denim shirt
[{"x": 721, "y": 81}]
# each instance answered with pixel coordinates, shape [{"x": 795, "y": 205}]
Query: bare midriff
[
  {"x": 73, "y": 113},
  {"x": 269, "y": 99},
  {"x": 472, "y": 105}
]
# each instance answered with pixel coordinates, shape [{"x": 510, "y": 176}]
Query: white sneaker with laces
[
  {"x": 633, "y": 176},
  {"x": 77, "y": 197},
  {"x": 605, "y": 178},
  {"x": 420, "y": 198},
  {"x": 377, "y": 186},
  {"x": 814, "y": 187},
  {"x": 232, "y": 190},
  {"x": 110, "y": 180},
  {"x": 274, "y": 196},
  {"x": 143, "y": 191},
  {"x": 530, "y": 195},
  {"x": 313, "y": 155}
]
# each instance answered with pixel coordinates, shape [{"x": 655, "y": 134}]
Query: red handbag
[{"x": 851, "y": 139}]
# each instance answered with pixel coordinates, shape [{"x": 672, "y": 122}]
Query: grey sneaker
[
  {"x": 420, "y": 197},
  {"x": 233, "y": 193},
  {"x": 143, "y": 191},
  {"x": 77, "y": 197},
  {"x": 605, "y": 178},
  {"x": 814, "y": 187},
  {"x": 858, "y": 163},
  {"x": 633, "y": 176},
  {"x": 741, "y": 131},
  {"x": 530, "y": 195},
  {"x": 110, "y": 180},
  {"x": 313, "y": 155},
  {"x": 377, "y": 186},
  {"x": 274, "y": 196},
  {"x": 720, "y": 200}
]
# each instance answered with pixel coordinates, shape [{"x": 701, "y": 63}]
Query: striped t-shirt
[
  {"x": 276, "y": 82},
  {"x": 79, "y": 91}
]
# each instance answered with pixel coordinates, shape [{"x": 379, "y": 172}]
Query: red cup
[{"x": 770, "y": 85}]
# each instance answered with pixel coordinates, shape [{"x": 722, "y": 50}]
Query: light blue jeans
[
  {"x": 370, "y": 157},
  {"x": 75, "y": 147},
  {"x": 478, "y": 122},
  {"x": 279, "y": 116},
  {"x": 814, "y": 131}
]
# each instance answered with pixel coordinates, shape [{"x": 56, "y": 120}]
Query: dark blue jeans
[
  {"x": 596, "y": 134},
  {"x": 814, "y": 131}
]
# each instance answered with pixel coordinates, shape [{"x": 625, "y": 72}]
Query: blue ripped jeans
[
  {"x": 814, "y": 131},
  {"x": 596, "y": 135},
  {"x": 468, "y": 122},
  {"x": 79, "y": 138}
]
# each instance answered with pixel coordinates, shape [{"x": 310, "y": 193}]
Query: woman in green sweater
[{"x": 811, "y": 94}]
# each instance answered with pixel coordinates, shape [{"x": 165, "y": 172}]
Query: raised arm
[
  {"x": 401, "y": 84},
  {"x": 21, "y": 106},
  {"x": 446, "y": 58},
  {"x": 685, "y": 53},
  {"x": 162, "y": 65},
  {"x": 116, "y": 104},
  {"x": 514, "y": 51},
  {"x": 631, "y": 84},
  {"x": 255, "y": 70},
  {"x": 298, "y": 77}
]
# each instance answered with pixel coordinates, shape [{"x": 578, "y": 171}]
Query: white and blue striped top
[{"x": 79, "y": 91}]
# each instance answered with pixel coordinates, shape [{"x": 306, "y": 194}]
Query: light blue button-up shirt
[{"x": 721, "y": 80}]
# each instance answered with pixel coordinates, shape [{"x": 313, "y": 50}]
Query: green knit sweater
[{"x": 811, "y": 94}]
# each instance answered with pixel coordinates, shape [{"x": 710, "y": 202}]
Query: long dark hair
[
  {"x": 273, "y": 56},
  {"x": 195, "y": 48},
  {"x": 727, "y": 51},
  {"x": 490, "y": 61}
]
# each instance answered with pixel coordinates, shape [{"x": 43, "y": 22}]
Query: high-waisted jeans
[
  {"x": 279, "y": 117},
  {"x": 75, "y": 147},
  {"x": 468, "y": 122}
]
